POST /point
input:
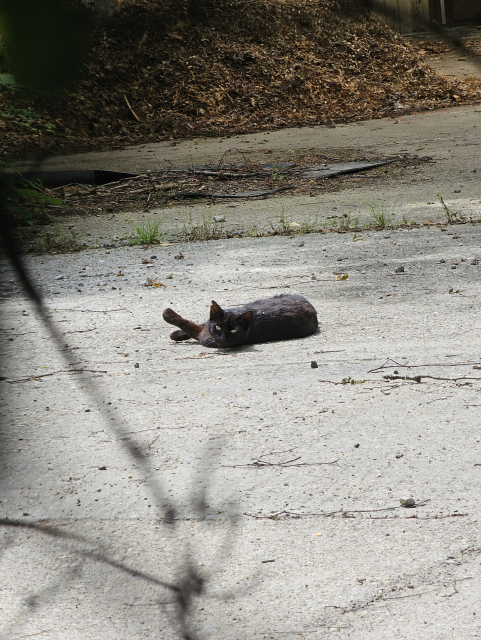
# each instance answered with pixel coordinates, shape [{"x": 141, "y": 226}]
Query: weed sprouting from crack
[
  {"x": 281, "y": 225},
  {"x": 147, "y": 232},
  {"x": 452, "y": 216},
  {"x": 380, "y": 216},
  {"x": 208, "y": 229}
]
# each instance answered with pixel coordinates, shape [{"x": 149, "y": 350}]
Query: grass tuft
[
  {"x": 381, "y": 217},
  {"x": 207, "y": 229},
  {"x": 147, "y": 232}
]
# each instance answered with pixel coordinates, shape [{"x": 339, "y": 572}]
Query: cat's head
[{"x": 227, "y": 328}]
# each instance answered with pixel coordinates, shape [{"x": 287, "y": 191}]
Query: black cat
[{"x": 282, "y": 317}]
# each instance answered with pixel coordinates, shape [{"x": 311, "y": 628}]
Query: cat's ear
[
  {"x": 216, "y": 312},
  {"x": 245, "y": 319}
]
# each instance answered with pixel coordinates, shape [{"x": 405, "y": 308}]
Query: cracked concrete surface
[
  {"x": 371, "y": 569},
  {"x": 449, "y": 137}
]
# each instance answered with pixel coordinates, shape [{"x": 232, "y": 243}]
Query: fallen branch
[
  {"x": 330, "y": 514},
  {"x": 232, "y": 151},
  {"x": 381, "y": 598},
  {"x": 286, "y": 463},
  {"x": 418, "y": 366},
  {"x": 203, "y": 194},
  {"x": 226, "y": 174},
  {"x": 347, "y": 383},
  {"x": 419, "y": 378},
  {"x": 95, "y": 310},
  {"x": 130, "y": 109},
  {"x": 46, "y": 375}
]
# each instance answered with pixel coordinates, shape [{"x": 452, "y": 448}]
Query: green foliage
[
  {"x": 282, "y": 224},
  {"x": 42, "y": 42},
  {"x": 350, "y": 380},
  {"x": 207, "y": 229},
  {"x": 26, "y": 118},
  {"x": 147, "y": 232},
  {"x": 452, "y": 216},
  {"x": 24, "y": 199},
  {"x": 380, "y": 216}
]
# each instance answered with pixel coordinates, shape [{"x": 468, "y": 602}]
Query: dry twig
[
  {"x": 329, "y": 514},
  {"x": 54, "y": 373},
  {"x": 130, "y": 109},
  {"x": 419, "y": 378},
  {"x": 285, "y": 464},
  {"x": 397, "y": 365}
]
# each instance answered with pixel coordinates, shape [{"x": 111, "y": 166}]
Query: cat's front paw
[{"x": 178, "y": 336}]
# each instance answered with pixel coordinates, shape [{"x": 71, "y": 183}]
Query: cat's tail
[{"x": 188, "y": 329}]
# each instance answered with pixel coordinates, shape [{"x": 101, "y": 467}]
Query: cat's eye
[
  {"x": 233, "y": 330},
  {"x": 218, "y": 328}
]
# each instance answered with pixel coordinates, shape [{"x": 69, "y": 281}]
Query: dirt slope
[{"x": 158, "y": 73}]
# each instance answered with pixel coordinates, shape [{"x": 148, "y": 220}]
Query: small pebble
[
  {"x": 314, "y": 364},
  {"x": 442, "y": 261},
  {"x": 399, "y": 270},
  {"x": 103, "y": 468},
  {"x": 453, "y": 267},
  {"x": 409, "y": 502},
  {"x": 126, "y": 354},
  {"x": 219, "y": 218},
  {"x": 356, "y": 446},
  {"x": 59, "y": 277},
  {"x": 169, "y": 276},
  {"x": 301, "y": 244},
  {"x": 153, "y": 257},
  {"x": 87, "y": 410},
  {"x": 136, "y": 365},
  {"x": 293, "y": 226},
  {"x": 339, "y": 259}
]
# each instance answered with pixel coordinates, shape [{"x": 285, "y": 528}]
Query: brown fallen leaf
[
  {"x": 153, "y": 283},
  {"x": 166, "y": 186}
]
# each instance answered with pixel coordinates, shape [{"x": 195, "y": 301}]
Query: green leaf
[{"x": 7, "y": 80}]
